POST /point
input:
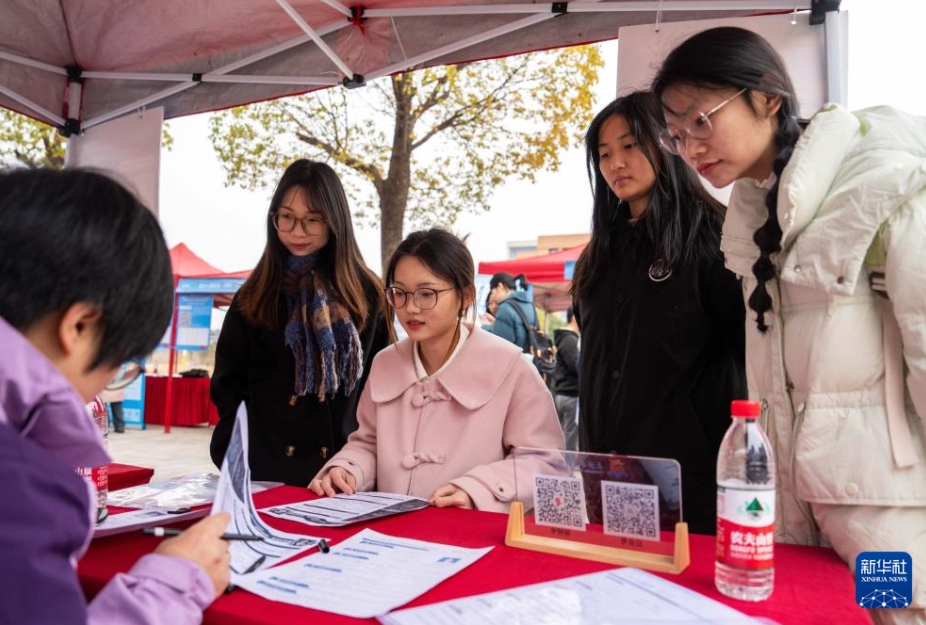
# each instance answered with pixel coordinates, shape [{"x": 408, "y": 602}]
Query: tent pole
[
  {"x": 301, "y": 23},
  {"x": 168, "y": 392}
]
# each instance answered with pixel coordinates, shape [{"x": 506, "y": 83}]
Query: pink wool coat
[{"x": 458, "y": 428}]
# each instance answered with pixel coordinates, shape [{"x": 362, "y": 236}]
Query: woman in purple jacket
[{"x": 85, "y": 285}]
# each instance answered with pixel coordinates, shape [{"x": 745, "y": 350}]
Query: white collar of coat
[
  {"x": 837, "y": 196},
  {"x": 473, "y": 377}
]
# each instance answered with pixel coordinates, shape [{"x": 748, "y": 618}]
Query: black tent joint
[
  {"x": 355, "y": 81},
  {"x": 819, "y": 9},
  {"x": 197, "y": 77},
  {"x": 560, "y": 8},
  {"x": 75, "y": 74},
  {"x": 71, "y": 127}
]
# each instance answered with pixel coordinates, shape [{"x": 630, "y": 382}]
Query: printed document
[
  {"x": 233, "y": 495},
  {"x": 366, "y": 575},
  {"x": 626, "y": 596},
  {"x": 346, "y": 509}
]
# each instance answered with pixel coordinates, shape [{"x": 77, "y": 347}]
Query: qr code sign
[
  {"x": 559, "y": 502},
  {"x": 630, "y": 510}
]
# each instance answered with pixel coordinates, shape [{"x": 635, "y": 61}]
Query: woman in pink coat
[{"x": 443, "y": 409}]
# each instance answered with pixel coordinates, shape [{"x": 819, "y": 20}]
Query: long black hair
[
  {"x": 682, "y": 221},
  {"x": 340, "y": 262},
  {"x": 721, "y": 58}
]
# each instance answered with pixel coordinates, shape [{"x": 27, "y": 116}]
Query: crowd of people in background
[{"x": 824, "y": 239}]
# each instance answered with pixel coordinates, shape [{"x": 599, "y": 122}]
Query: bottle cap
[{"x": 745, "y": 409}]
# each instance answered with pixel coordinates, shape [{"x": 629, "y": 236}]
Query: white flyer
[
  {"x": 364, "y": 576},
  {"x": 345, "y": 509},
  {"x": 233, "y": 495},
  {"x": 626, "y": 596}
]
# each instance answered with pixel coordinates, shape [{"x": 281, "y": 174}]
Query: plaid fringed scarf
[{"x": 319, "y": 330}]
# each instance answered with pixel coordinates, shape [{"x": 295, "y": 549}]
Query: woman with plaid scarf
[{"x": 299, "y": 336}]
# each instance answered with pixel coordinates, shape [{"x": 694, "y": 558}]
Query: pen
[
  {"x": 167, "y": 531},
  {"x": 323, "y": 546},
  {"x": 250, "y": 569}
]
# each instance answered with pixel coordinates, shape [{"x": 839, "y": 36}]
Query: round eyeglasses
[
  {"x": 677, "y": 142},
  {"x": 424, "y": 298},
  {"x": 312, "y": 225},
  {"x": 128, "y": 372}
]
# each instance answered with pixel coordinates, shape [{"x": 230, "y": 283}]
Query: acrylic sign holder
[{"x": 675, "y": 563}]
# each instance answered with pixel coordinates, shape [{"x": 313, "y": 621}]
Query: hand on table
[
  {"x": 202, "y": 544},
  {"x": 338, "y": 478},
  {"x": 451, "y": 496}
]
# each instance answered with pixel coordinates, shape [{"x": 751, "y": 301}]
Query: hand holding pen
[{"x": 202, "y": 544}]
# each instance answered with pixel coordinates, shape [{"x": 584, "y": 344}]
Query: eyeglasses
[
  {"x": 424, "y": 298},
  {"x": 127, "y": 374},
  {"x": 311, "y": 225},
  {"x": 678, "y": 143}
]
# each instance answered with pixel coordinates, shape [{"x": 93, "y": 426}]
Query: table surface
[
  {"x": 127, "y": 475},
  {"x": 812, "y": 584}
]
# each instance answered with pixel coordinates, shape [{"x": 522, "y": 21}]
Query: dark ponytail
[{"x": 721, "y": 58}]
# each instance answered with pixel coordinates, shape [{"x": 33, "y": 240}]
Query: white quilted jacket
[{"x": 819, "y": 370}]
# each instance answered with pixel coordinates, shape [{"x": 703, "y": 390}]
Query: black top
[
  {"x": 290, "y": 438},
  {"x": 566, "y": 375},
  {"x": 661, "y": 361}
]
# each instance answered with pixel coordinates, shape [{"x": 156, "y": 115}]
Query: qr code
[
  {"x": 559, "y": 502},
  {"x": 630, "y": 510}
]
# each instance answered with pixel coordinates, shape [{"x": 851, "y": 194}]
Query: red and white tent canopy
[{"x": 80, "y": 63}]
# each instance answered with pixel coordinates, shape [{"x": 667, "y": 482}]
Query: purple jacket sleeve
[{"x": 158, "y": 589}]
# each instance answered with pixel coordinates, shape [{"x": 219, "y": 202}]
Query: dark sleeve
[
  {"x": 722, "y": 294},
  {"x": 229, "y": 385},
  {"x": 567, "y": 352}
]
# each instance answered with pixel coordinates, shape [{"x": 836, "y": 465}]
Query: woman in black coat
[
  {"x": 662, "y": 319},
  {"x": 299, "y": 337}
]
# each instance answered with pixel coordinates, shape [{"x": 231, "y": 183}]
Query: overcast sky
[{"x": 226, "y": 225}]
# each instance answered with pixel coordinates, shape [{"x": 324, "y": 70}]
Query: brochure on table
[
  {"x": 346, "y": 509},
  {"x": 364, "y": 576},
  {"x": 626, "y": 596}
]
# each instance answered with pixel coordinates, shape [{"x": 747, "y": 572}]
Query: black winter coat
[
  {"x": 566, "y": 374},
  {"x": 661, "y": 361},
  {"x": 290, "y": 437}
]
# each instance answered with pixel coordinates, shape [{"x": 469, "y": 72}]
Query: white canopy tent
[{"x": 80, "y": 63}]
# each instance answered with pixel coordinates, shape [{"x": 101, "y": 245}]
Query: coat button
[
  {"x": 851, "y": 489},
  {"x": 797, "y": 269},
  {"x": 290, "y": 451},
  {"x": 616, "y": 374},
  {"x": 840, "y": 280}
]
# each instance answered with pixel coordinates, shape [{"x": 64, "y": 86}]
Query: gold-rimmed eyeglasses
[
  {"x": 424, "y": 298},
  {"x": 677, "y": 142},
  {"x": 313, "y": 224}
]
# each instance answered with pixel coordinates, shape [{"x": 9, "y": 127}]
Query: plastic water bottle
[
  {"x": 99, "y": 476},
  {"x": 745, "y": 566}
]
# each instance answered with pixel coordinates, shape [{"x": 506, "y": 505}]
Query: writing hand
[{"x": 201, "y": 543}]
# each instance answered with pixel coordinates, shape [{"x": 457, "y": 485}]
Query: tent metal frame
[{"x": 535, "y": 13}]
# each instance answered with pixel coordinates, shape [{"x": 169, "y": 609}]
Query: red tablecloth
[
  {"x": 812, "y": 585},
  {"x": 126, "y": 475},
  {"x": 191, "y": 403}
]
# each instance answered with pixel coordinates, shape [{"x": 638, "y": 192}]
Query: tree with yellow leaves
[{"x": 432, "y": 143}]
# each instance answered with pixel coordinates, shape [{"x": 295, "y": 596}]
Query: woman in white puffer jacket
[{"x": 822, "y": 220}]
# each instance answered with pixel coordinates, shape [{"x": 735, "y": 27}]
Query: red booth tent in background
[
  {"x": 186, "y": 264},
  {"x": 545, "y": 273}
]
